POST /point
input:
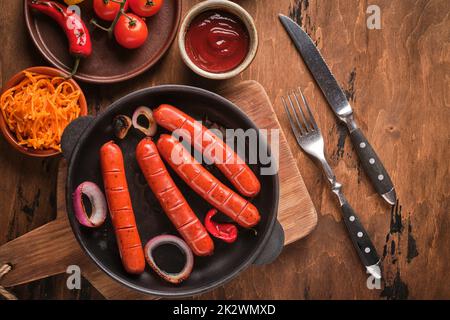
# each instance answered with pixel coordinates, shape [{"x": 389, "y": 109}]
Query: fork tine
[
  {"x": 299, "y": 123},
  {"x": 299, "y": 106},
  {"x": 313, "y": 121},
  {"x": 291, "y": 120}
]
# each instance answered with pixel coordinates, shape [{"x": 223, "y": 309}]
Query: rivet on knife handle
[
  {"x": 373, "y": 166},
  {"x": 363, "y": 245}
]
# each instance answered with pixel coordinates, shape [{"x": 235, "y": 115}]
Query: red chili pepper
[
  {"x": 80, "y": 45},
  {"x": 224, "y": 231}
]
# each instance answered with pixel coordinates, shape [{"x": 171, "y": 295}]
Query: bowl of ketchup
[{"x": 218, "y": 39}]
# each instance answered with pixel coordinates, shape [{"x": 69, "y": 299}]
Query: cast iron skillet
[{"x": 81, "y": 143}]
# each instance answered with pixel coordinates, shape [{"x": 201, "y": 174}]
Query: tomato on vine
[
  {"x": 108, "y": 9},
  {"x": 146, "y": 8},
  {"x": 130, "y": 31}
]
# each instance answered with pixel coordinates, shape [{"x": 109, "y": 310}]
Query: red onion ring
[
  {"x": 175, "y": 278},
  {"x": 98, "y": 204},
  {"x": 146, "y": 112}
]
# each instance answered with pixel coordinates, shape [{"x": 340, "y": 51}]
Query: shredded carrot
[{"x": 39, "y": 108}]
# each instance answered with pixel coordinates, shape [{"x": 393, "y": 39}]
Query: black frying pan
[{"x": 81, "y": 143}]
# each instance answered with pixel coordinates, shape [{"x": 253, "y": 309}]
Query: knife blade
[{"x": 340, "y": 105}]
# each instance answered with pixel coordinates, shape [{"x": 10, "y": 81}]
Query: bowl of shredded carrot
[{"x": 36, "y": 106}]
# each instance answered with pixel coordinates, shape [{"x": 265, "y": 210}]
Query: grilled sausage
[
  {"x": 205, "y": 184},
  {"x": 213, "y": 148},
  {"x": 172, "y": 201},
  {"x": 120, "y": 208}
]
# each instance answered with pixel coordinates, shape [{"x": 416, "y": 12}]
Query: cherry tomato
[
  {"x": 146, "y": 8},
  {"x": 107, "y": 10},
  {"x": 130, "y": 31}
]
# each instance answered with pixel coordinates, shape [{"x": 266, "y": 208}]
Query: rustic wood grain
[{"x": 397, "y": 81}]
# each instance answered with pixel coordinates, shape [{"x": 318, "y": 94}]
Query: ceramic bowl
[
  {"x": 227, "y": 6},
  {"x": 10, "y": 136}
]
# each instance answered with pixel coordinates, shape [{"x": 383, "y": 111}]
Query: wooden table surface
[{"x": 397, "y": 80}]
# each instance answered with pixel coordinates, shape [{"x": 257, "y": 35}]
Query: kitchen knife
[{"x": 336, "y": 98}]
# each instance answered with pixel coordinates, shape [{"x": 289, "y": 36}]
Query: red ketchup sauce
[{"x": 217, "y": 41}]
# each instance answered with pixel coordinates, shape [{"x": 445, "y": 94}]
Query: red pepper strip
[
  {"x": 80, "y": 45},
  {"x": 224, "y": 231}
]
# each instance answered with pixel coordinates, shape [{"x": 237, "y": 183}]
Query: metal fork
[{"x": 310, "y": 139}]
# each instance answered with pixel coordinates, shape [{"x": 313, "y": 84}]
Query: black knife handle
[
  {"x": 370, "y": 162},
  {"x": 359, "y": 236}
]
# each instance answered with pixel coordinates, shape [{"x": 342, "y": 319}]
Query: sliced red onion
[
  {"x": 98, "y": 204},
  {"x": 175, "y": 278},
  {"x": 145, "y": 112}
]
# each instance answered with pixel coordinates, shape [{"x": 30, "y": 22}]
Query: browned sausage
[
  {"x": 217, "y": 151},
  {"x": 205, "y": 184},
  {"x": 120, "y": 208},
  {"x": 171, "y": 199}
]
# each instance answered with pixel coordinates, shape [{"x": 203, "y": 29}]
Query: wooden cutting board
[{"x": 50, "y": 249}]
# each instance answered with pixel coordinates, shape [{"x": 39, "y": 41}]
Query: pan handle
[
  {"x": 72, "y": 134},
  {"x": 273, "y": 247}
]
